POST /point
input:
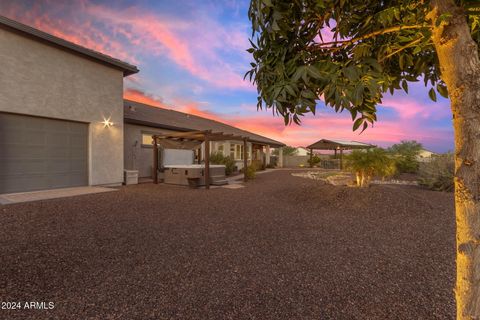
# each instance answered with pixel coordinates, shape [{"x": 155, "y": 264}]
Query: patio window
[
  {"x": 147, "y": 140},
  {"x": 236, "y": 151}
]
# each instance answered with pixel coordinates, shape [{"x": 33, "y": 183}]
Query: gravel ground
[{"x": 284, "y": 247}]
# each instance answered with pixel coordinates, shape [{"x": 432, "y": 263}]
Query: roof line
[
  {"x": 157, "y": 125},
  {"x": 128, "y": 69}
]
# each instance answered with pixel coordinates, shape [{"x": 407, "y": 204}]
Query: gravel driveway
[{"x": 281, "y": 248}]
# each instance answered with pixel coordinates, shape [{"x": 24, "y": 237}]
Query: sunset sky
[{"x": 191, "y": 55}]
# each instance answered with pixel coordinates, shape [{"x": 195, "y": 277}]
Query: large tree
[{"x": 349, "y": 53}]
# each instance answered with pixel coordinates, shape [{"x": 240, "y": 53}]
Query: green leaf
[
  {"x": 401, "y": 61},
  {"x": 298, "y": 73},
  {"x": 417, "y": 50},
  {"x": 432, "y": 94},
  {"x": 442, "y": 89},
  {"x": 357, "y": 124},
  {"x": 313, "y": 71},
  {"x": 290, "y": 90},
  {"x": 358, "y": 95},
  {"x": 405, "y": 86}
]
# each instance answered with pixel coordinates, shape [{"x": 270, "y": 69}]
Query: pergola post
[
  {"x": 341, "y": 159},
  {"x": 155, "y": 160},
  {"x": 207, "y": 162},
  {"x": 245, "y": 161},
  {"x": 311, "y": 158},
  {"x": 267, "y": 155},
  {"x": 280, "y": 157}
]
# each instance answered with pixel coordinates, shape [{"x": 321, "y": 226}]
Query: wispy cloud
[{"x": 132, "y": 33}]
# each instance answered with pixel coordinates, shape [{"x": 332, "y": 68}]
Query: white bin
[{"x": 130, "y": 177}]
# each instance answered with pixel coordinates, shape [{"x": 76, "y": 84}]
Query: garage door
[{"x": 39, "y": 153}]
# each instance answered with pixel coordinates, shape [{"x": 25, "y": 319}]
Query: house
[
  {"x": 142, "y": 121},
  {"x": 301, "y": 151},
  {"x": 62, "y": 120},
  {"x": 61, "y": 112},
  {"x": 425, "y": 155}
]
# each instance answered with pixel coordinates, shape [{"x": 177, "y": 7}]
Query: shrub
[
  {"x": 258, "y": 165},
  {"x": 314, "y": 161},
  {"x": 227, "y": 161},
  {"x": 368, "y": 163},
  {"x": 251, "y": 172},
  {"x": 405, "y": 155},
  {"x": 438, "y": 174}
]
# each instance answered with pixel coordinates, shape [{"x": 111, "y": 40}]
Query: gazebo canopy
[{"x": 326, "y": 144}]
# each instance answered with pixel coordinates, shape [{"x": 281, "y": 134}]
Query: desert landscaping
[{"x": 282, "y": 247}]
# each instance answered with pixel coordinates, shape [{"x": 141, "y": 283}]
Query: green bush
[
  {"x": 227, "y": 161},
  {"x": 258, "y": 165},
  {"x": 366, "y": 164},
  {"x": 405, "y": 155},
  {"x": 251, "y": 172},
  {"x": 314, "y": 160},
  {"x": 438, "y": 174}
]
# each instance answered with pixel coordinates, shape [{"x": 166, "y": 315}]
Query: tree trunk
[{"x": 460, "y": 70}]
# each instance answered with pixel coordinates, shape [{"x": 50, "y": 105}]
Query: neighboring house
[
  {"x": 61, "y": 112},
  {"x": 425, "y": 155},
  {"x": 142, "y": 121},
  {"x": 301, "y": 151}
]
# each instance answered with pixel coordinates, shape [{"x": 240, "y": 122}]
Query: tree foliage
[
  {"x": 347, "y": 53},
  {"x": 405, "y": 154},
  {"x": 438, "y": 174},
  {"x": 287, "y": 151}
]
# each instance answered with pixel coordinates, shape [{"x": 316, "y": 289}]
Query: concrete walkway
[{"x": 50, "y": 194}]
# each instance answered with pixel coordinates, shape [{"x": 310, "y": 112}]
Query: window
[
  {"x": 220, "y": 148},
  {"x": 236, "y": 151},
  {"x": 147, "y": 139}
]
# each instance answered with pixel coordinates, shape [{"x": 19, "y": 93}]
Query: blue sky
[{"x": 192, "y": 58}]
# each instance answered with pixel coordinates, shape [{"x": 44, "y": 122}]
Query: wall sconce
[{"x": 107, "y": 123}]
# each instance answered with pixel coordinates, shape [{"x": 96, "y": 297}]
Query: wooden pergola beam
[{"x": 188, "y": 134}]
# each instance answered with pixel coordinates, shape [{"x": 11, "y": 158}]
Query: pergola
[
  {"x": 337, "y": 145},
  {"x": 201, "y": 136}
]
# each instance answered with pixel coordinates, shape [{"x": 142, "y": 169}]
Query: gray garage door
[{"x": 38, "y": 153}]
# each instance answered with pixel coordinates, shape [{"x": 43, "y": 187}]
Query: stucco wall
[
  {"x": 138, "y": 157},
  {"x": 42, "y": 80},
  {"x": 295, "y": 161}
]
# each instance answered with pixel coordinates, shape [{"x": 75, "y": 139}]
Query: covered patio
[
  {"x": 192, "y": 140},
  {"x": 338, "y": 146}
]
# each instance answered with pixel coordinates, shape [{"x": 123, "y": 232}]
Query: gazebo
[
  {"x": 337, "y": 146},
  {"x": 192, "y": 140}
]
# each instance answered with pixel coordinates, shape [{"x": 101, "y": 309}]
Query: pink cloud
[
  {"x": 142, "y": 97},
  {"x": 133, "y": 33},
  {"x": 408, "y": 107}
]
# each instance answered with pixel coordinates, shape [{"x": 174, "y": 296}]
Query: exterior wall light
[{"x": 107, "y": 123}]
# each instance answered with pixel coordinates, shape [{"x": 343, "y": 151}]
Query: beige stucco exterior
[{"x": 39, "y": 79}]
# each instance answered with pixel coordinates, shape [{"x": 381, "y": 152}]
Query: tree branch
[
  {"x": 402, "y": 48},
  {"x": 344, "y": 43}
]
